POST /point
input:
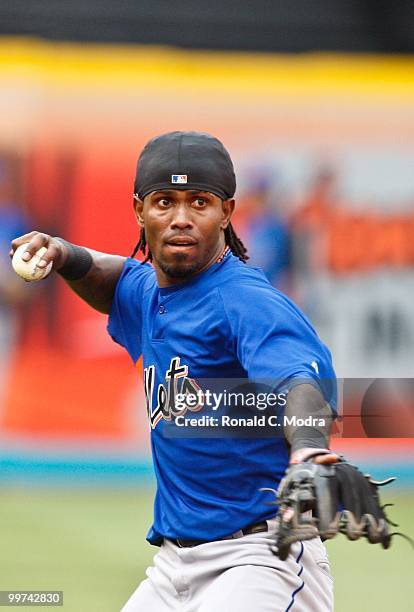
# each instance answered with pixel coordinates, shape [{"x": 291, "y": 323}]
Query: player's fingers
[
  {"x": 326, "y": 459},
  {"x": 19, "y": 241},
  {"x": 51, "y": 255},
  {"x": 34, "y": 240}
]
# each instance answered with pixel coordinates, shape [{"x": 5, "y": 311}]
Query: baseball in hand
[{"x": 29, "y": 269}]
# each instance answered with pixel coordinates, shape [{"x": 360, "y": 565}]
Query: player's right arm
[{"x": 96, "y": 285}]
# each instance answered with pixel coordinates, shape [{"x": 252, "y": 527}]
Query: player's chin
[{"x": 180, "y": 265}]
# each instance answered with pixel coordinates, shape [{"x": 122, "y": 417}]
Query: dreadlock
[
  {"x": 236, "y": 245},
  {"x": 142, "y": 246},
  {"x": 232, "y": 240}
]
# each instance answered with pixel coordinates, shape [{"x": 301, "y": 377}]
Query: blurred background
[{"x": 315, "y": 103}]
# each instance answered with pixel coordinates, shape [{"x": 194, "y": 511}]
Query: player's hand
[
  {"x": 341, "y": 500},
  {"x": 56, "y": 252},
  {"x": 321, "y": 456}
]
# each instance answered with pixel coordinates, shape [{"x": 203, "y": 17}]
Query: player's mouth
[{"x": 181, "y": 243}]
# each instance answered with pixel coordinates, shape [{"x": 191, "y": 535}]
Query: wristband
[
  {"x": 308, "y": 437},
  {"x": 78, "y": 262}
]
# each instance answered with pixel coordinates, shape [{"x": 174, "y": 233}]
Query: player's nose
[{"x": 181, "y": 218}]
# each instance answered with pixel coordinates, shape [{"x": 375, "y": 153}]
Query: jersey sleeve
[
  {"x": 125, "y": 318},
  {"x": 275, "y": 342}
]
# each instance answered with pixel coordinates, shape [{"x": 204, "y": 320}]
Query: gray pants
[{"x": 237, "y": 575}]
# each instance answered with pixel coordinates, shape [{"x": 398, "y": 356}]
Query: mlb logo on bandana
[{"x": 179, "y": 178}]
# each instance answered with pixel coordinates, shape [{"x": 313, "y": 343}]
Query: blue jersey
[{"x": 225, "y": 323}]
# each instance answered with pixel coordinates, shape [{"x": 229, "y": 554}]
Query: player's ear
[
  {"x": 227, "y": 209},
  {"x": 139, "y": 208}
]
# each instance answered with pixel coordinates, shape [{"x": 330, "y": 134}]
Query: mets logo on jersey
[
  {"x": 179, "y": 179},
  {"x": 176, "y": 383}
]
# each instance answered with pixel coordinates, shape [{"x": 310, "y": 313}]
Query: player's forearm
[
  {"x": 97, "y": 286},
  {"x": 90, "y": 274},
  {"x": 305, "y": 404}
]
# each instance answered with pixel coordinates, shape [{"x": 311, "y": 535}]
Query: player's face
[{"x": 184, "y": 231}]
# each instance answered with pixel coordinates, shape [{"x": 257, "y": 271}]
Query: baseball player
[{"x": 195, "y": 311}]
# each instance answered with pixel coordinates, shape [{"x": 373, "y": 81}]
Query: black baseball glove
[{"x": 323, "y": 500}]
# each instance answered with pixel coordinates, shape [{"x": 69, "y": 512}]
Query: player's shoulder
[
  {"x": 246, "y": 282},
  {"x": 234, "y": 272},
  {"x": 132, "y": 266},
  {"x": 136, "y": 274},
  {"x": 245, "y": 291}
]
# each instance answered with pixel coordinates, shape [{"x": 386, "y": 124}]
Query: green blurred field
[{"x": 91, "y": 544}]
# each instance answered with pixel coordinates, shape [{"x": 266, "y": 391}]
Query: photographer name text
[{"x": 254, "y": 421}]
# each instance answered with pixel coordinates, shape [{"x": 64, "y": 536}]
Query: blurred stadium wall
[{"x": 332, "y": 132}]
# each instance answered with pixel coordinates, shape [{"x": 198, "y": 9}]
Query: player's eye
[
  {"x": 200, "y": 202},
  {"x": 164, "y": 202}
]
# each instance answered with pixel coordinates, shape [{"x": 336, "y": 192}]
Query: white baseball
[{"x": 29, "y": 269}]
